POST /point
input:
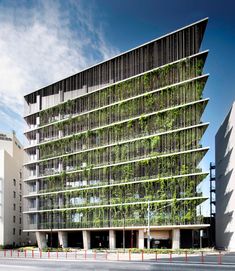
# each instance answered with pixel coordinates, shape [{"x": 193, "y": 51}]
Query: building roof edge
[{"x": 125, "y": 52}]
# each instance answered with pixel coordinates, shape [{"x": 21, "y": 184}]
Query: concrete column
[
  {"x": 86, "y": 239},
  {"x": 63, "y": 239},
  {"x": 141, "y": 239},
  {"x": 60, "y": 133},
  {"x": 38, "y": 102},
  {"x": 37, "y": 121},
  {"x": 37, "y": 137},
  {"x": 60, "y": 168},
  {"x": 41, "y": 239},
  {"x": 37, "y": 220},
  {"x": 37, "y": 186},
  {"x": 112, "y": 239},
  {"x": 37, "y": 170},
  {"x": 61, "y": 95},
  {"x": 176, "y": 239},
  {"x": 37, "y": 203},
  {"x": 37, "y": 153}
]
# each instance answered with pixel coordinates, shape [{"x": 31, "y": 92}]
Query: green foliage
[
  {"x": 130, "y": 124},
  {"x": 199, "y": 66},
  {"x": 146, "y": 78},
  {"x": 101, "y": 169},
  {"x": 63, "y": 175},
  {"x": 199, "y": 89},
  {"x": 155, "y": 141},
  {"x": 142, "y": 121},
  {"x": 188, "y": 217},
  {"x": 150, "y": 101}
]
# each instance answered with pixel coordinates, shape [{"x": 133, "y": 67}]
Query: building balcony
[
  {"x": 31, "y": 108},
  {"x": 31, "y": 227}
]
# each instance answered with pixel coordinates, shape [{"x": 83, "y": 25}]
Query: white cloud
[{"x": 43, "y": 43}]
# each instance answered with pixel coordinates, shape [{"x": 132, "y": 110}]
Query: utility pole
[{"x": 148, "y": 245}]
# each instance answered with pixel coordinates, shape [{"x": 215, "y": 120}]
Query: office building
[{"x": 116, "y": 147}]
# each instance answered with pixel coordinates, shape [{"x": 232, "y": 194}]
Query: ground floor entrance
[
  {"x": 117, "y": 238},
  {"x": 130, "y": 239},
  {"x": 75, "y": 239},
  {"x": 52, "y": 239},
  {"x": 99, "y": 239}
]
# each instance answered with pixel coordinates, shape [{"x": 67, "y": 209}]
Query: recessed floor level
[{"x": 112, "y": 239}]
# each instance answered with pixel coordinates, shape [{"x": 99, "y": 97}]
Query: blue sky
[{"x": 44, "y": 41}]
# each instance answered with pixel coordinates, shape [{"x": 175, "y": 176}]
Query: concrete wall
[
  {"x": 2, "y": 158},
  {"x": 10, "y": 173},
  {"x": 225, "y": 182}
]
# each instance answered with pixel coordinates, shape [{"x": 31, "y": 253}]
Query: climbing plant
[{"x": 138, "y": 143}]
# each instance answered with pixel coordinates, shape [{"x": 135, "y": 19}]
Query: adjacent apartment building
[
  {"x": 225, "y": 182},
  {"x": 11, "y": 166},
  {"x": 111, "y": 140}
]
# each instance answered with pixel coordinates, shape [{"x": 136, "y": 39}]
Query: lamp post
[
  {"x": 124, "y": 221},
  {"x": 132, "y": 235},
  {"x": 148, "y": 243},
  {"x": 51, "y": 201},
  {"x": 123, "y": 238}
]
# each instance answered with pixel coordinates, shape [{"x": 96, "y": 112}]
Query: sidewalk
[{"x": 113, "y": 256}]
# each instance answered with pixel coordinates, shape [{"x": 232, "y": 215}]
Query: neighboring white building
[
  {"x": 11, "y": 219},
  {"x": 225, "y": 182}
]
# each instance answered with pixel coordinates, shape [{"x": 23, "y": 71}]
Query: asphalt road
[{"x": 60, "y": 265}]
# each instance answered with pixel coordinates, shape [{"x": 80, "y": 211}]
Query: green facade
[{"x": 103, "y": 156}]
